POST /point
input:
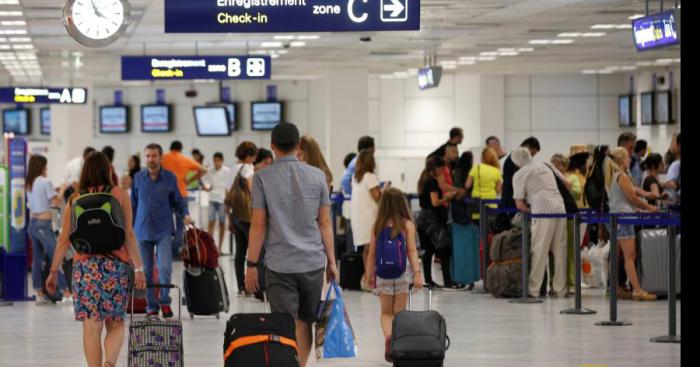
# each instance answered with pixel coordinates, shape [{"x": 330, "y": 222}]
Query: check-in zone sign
[
  {"x": 234, "y": 16},
  {"x": 41, "y": 95},
  {"x": 195, "y": 67}
]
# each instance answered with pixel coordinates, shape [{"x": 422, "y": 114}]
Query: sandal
[{"x": 643, "y": 296}]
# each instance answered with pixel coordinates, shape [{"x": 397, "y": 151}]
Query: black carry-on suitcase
[
  {"x": 260, "y": 339},
  {"x": 153, "y": 341},
  {"x": 351, "y": 271},
  {"x": 206, "y": 293},
  {"x": 419, "y": 338}
]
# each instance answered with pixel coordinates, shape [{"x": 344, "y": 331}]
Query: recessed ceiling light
[
  {"x": 19, "y": 39},
  {"x": 604, "y": 71},
  {"x": 509, "y": 53},
  {"x": 526, "y": 49},
  {"x": 589, "y": 71},
  {"x": 569, "y": 35},
  {"x": 563, "y": 42},
  {"x": 271, "y": 44},
  {"x": 628, "y": 68},
  {"x": 259, "y": 52},
  {"x": 603, "y": 26},
  {"x": 9, "y": 2},
  {"x": 14, "y": 13},
  {"x": 309, "y": 37},
  {"x": 5, "y": 47},
  {"x": 13, "y": 23},
  {"x": 540, "y": 42},
  {"x": 285, "y": 37},
  {"x": 467, "y": 58},
  {"x": 677, "y": 60},
  {"x": 636, "y": 16},
  {"x": 23, "y": 47},
  {"x": 506, "y": 49},
  {"x": 623, "y": 26},
  {"x": 486, "y": 58},
  {"x": 298, "y": 44},
  {"x": 593, "y": 34},
  {"x": 13, "y": 31},
  {"x": 488, "y": 53}
]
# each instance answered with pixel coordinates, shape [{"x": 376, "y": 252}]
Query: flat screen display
[
  {"x": 232, "y": 109},
  {"x": 114, "y": 119},
  {"x": 664, "y": 107},
  {"x": 266, "y": 115},
  {"x": 648, "y": 108},
  {"x": 624, "y": 103},
  {"x": 15, "y": 121},
  {"x": 155, "y": 118},
  {"x": 212, "y": 121},
  {"x": 429, "y": 77},
  {"x": 657, "y": 30},
  {"x": 45, "y": 121}
]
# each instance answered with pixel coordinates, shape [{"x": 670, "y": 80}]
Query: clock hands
[{"x": 97, "y": 12}]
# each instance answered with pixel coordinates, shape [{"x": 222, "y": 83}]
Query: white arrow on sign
[{"x": 395, "y": 8}]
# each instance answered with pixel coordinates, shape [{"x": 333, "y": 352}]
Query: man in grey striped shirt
[{"x": 535, "y": 183}]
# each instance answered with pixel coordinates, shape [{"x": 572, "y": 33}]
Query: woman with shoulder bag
[
  {"x": 100, "y": 281},
  {"x": 433, "y": 230}
]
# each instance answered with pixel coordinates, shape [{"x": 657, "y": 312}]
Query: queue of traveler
[{"x": 279, "y": 210}]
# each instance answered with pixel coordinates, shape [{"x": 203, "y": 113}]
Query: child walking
[{"x": 392, "y": 245}]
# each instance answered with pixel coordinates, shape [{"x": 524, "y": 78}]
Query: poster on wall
[{"x": 18, "y": 207}]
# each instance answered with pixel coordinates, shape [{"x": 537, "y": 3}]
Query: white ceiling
[{"x": 449, "y": 28}]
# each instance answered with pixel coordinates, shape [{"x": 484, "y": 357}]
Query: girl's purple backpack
[{"x": 391, "y": 255}]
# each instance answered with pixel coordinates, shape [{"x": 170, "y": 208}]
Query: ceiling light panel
[
  {"x": 13, "y": 13},
  {"x": 13, "y": 31},
  {"x": 11, "y": 23},
  {"x": 563, "y": 42},
  {"x": 9, "y": 2},
  {"x": 285, "y": 37},
  {"x": 603, "y": 26},
  {"x": 298, "y": 44},
  {"x": 271, "y": 44},
  {"x": 309, "y": 37},
  {"x": 569, "y": 35},
  {"x": 593, "y": 34},
  {"x": 636, "y": 16},
  {"x": 540, "y": 42}
]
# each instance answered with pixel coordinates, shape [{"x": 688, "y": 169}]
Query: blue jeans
[
  {"x": 179, "y": 236},
  {"x": 43, "y": 246},
  {"x": 164, "y": 256}
]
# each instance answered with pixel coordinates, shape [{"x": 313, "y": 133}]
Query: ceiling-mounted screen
[
  {"x": 657, "y": 30},
  {"x": 429, "y": 77},
  {"x": 15, "y": 120},
  {"x": 114, "y": 119},
  {"x": 45, "y": 121},
  {"x": 232, "y": 109},
  {"x": 266, "y": 115},
  {"x": 648, "y": 108},
  {"x": 155, "y": 118},
  {"x": 212, "y": 121}
]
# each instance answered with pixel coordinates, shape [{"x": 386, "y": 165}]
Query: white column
[{"x": 72, "y": 129}]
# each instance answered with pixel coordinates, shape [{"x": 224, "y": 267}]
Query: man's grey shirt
[{"x": 292, "y": 192}]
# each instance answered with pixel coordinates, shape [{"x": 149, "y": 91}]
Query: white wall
[
  {"x": 562, "y": 110},
  {"x": 300, "y": 108}
]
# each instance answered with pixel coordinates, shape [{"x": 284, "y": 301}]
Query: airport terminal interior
[{"x": 533, "y": 146}]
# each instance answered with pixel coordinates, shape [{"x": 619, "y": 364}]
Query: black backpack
[
  {"x": 594, "y": 194},
  {"x": 97, "y": 221}
]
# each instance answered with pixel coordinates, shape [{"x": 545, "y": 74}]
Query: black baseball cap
[{"x": 285, "y": 136}]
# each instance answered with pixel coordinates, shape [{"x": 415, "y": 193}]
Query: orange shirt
[{"x": 180, "y": 165}]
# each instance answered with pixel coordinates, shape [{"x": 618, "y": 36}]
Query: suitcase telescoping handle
[
  {"x": 430, "y": 297},
  {"x": 266, "y": 301},
  {"x": 166, "y": 286}
]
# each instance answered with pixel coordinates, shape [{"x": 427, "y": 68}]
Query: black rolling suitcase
[
  {"x": 419, "y": 338},
  {"x": 351, "y": 271},
  {"x": 206, "y": 293},
  {"x": 260, "y": 339}
]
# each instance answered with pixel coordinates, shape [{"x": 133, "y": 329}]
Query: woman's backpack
[
  {"x": 239, "y": 199},
  {"x": 391, "y": 255},
  {"x": 97, "y": 223}
]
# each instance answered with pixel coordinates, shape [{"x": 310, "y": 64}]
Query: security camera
[
  {"x": 366, "y": 39},
  {"x": 287, "y": 45}
]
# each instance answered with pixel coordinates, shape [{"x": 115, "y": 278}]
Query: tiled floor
[{"x": 485, "y": 332}]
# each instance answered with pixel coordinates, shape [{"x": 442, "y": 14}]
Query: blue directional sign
[
  {"x": 242, "y": 16},
  {"x": 195, "y": 67},
  {"x": 31, "y": 95},
  {"x": 657, "y": 30}
]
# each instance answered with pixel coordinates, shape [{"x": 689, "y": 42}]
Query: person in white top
[
  {"x": 364, "y": 204},
  {"x": 217, "y": 182},
  {"x": 73, "y": 169}
]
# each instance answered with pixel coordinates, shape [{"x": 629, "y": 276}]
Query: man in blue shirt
[
  {"x": 154, "y": 199},
  {"x": 365, "y": 142}
]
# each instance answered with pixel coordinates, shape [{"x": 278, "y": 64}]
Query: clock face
[{"x": 98, "y": 19}]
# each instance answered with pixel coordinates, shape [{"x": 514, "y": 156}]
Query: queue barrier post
[
  {"x": 672, "y": 337},
  {"x": 613, "y": 277},
  {"x": 525, "y": 298},
  {"x": 577, "y": 310},
  {"x": 483, "y": 236}
]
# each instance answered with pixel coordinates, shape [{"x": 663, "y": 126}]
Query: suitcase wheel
[{"x": 192, "y": 316}]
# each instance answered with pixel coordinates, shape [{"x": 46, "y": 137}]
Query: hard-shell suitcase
[
  {"x": 351, "y": 271},
  {"x": 465, "y": 253},
  {"x": 205, "y": 292},
  {"x": 419, "y": 338},
  {"x": 156, "y": 342},
  {"x": 260, "y": 339},
  {"x": 654, "y": 256}
]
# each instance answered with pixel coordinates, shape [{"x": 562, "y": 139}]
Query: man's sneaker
[
  {"x": 42, "y": 301},
  {"x": 167, "y": 312}
]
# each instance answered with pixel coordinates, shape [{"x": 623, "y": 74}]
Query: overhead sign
[
  {"x": 241, "y": 16},
  {"x": 43, "y": 95},
  {"x": 657, "y": 30},
  {"x": 195, "y": 67}
]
